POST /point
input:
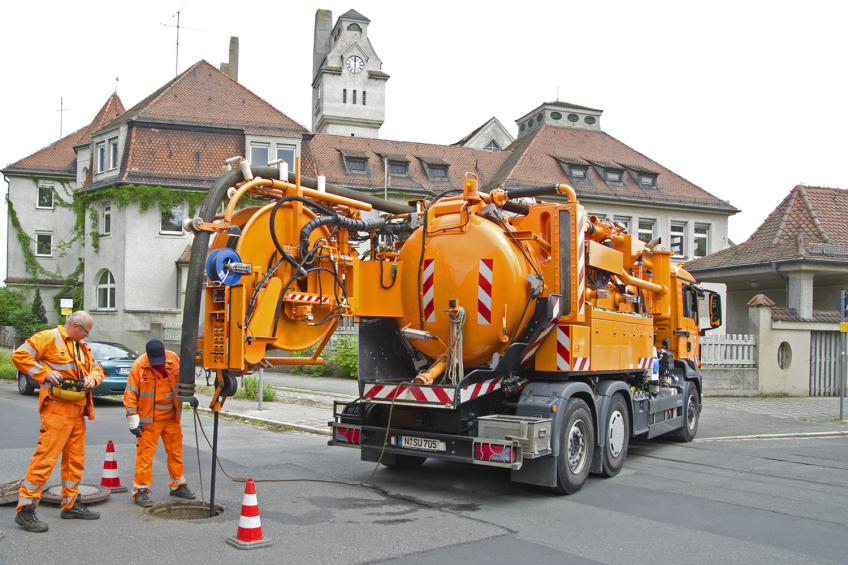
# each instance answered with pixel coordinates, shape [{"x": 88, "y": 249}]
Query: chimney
[
  {"x": 321, "y": 45},
  {"x": 231, "y": 68}
]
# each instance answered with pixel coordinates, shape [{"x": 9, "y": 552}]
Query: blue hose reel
[{"x": 217, "y": 266}]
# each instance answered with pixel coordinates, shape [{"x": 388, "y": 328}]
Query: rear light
[
  {"x": 494, "y": 452},
  {"x": 347, "y": 435}
]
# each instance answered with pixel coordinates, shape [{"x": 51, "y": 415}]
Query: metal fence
[
  {"x": 728, "y": 350},
  {"x": 172, "y": 332}
]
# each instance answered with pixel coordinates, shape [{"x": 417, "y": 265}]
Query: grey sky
[{"x": 745, "y": 99}]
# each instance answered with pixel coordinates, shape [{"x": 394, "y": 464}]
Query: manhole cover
[
  {"x": 184, "y": 510},
  {"x": 89, "y": 494},
  {"x": 9, "y": 491}
]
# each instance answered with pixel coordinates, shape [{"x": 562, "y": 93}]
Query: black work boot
[
  {"x": 78, "y": 510},
  {"x": 26, "y": 517},
  {"x": 142, "y": 498},
  {"x": 183, "y": 492}
]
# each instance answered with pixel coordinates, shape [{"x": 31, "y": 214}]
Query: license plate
[
  {"x": 123, "y": 370},
  {"x": 421, "y": 443}
]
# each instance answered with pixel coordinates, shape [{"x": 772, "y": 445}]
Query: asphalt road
[{"x": 741, "y": 501}]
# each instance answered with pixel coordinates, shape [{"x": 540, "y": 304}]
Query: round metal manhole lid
[
  {"x": 184, "y": 510},
  {"x": 89, "y": 494},
  {"x": 9, "y": 491}
]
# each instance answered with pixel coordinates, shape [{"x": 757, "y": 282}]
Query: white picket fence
[
  {"x": 728, "y": 350},
  {"x": 173, "y": 332}
]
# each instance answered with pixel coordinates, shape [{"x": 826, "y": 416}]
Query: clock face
[{"x": 355, "y": 64}]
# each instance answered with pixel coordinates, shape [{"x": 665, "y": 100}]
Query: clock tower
[{"x": 348, "y": 85}]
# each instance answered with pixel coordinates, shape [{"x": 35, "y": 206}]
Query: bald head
[{"x": 78, "y": 325}]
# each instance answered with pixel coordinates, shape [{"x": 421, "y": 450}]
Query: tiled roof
[
  {"x": 791, "y": 315},
  {"x": 354, "y": 15},
  {"x": 185, "y": 255},
  {"x": 533, "y": 160},
  {"x": 810, "y": 223},
  {"x": 327, "y": 151},
  {"x": 473, "y": 133},
  {"x": 30, "y": 280},
  {"x": 59, "y": 157},
  {"x": 204, "y": 96}
]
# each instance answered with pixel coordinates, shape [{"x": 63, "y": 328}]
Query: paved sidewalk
[{"x": 306, "y": 404}]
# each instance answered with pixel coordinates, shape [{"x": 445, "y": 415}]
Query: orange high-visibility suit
[
  {"x": 62, "y": 422},
  {"x": 153, "y": 397}
]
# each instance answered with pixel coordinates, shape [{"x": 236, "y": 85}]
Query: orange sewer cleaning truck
[{"x": 504, "y": 328}]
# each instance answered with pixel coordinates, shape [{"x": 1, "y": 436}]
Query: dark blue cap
[{"x": 156, "y": 352}]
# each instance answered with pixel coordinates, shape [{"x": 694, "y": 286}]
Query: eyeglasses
[{"x": 82, "y": 329}]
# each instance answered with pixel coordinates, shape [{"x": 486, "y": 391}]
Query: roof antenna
[
  {"x": 177, "y": 62},
  {"x": 116, "y": 85},
  {"x": 557, "y": 93},
  {"x": 61, "y": 111}
]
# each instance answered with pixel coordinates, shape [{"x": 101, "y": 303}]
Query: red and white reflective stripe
[
  {"x": 427, "y": 288},
  {"x": 545, "y": 332},
  {"x": 581, "y": 264},
  {"x": 581, "y": 363},
  {"x": 563, "y": 348},
  {"x": 645, "y": 362},
  {"x": 442, "y": 395},
  {"x": 484, "y": 292},
  {"x": 471, "y": 392},
  {"x": 308, "y": 298}
]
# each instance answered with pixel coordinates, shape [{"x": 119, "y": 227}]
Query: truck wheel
[
  {"x": 23, "y": 386},
  {"x": 406, "y": 462},
  {"x": 576, "y": 447},
  {"x": 691, "y": 414},
  {"x": 617, "y": 436}
]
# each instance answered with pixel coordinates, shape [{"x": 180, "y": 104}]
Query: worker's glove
[
  {"x": 136, "y": 427},
  {"x": 194, "y": 403}
]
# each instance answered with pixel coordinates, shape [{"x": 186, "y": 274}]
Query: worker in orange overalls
[
  {"x": 67, "y": 371},
  {"x": 153, "y": 410}
]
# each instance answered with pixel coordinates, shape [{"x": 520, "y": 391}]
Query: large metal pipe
[{"x": 376, "y": 203}]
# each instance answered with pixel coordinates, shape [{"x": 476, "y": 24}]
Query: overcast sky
[{"x": 744, "y": 99}]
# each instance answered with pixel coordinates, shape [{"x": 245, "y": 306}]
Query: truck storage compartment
[{"x": 533, "y": 433}]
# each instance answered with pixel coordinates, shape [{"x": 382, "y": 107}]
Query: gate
[{"x": 824, "y": 363}]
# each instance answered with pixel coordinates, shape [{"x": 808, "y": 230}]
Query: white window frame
[
  {"x": 46, "y": 186},
  {"x": 647, "y": 180},
  {"x": 701, "y": 236},
  {"x": 100, "y": 156},
  {"x": 113, "y": 154},
  {"x": 681, "y": 234},
  {"x": 643, "y": 231},
  {"x": 625, "y": 220},
  {"x": 39, "y": 234},
  {"x": 107, "y": 218},
  {"x": 108, "y": 286},
  {"x": 609, "y": 173},
  {"x": 578, "y": 172},
  {"x": 162, "y": 220},
  {"x": 260, "y": 145},
  {"x": 282, "y": 147}
]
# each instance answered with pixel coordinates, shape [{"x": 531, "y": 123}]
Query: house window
[
  {"x": 287, "y": 155},
  {"x": 678, "y": 239},
  {"x": 624, "y": 221},
  {"x": 106, "y": 292},
  {"x": 172, "y": 222},
  {"x": 648, "y": 180},
  {"x": 107, "y": 218},
  {"x": 398, "y": 169},
  {"x": 45, "y": 196},
  {"x": 259, "y": 154},
  {"x": 646, "y": 230},
  {"x": 344, "y": 96},
  {"x": 493, "y": 146},
  {"x": 612, "y": 175},
  {"x": 438, "y": 172},
  {"x": 702, "y": 238},
  {"x": 363, "y": 98},
  {"x": 318, "y": 88},
  {"x": 354, "y": 97},
  {"x": 100, "y": 155},
  {"x": 578, "y": 172},
  {"x": 44, "y": 244},
  {"x": 356, "y": 165},
  {"x": 113, "y": 153}
]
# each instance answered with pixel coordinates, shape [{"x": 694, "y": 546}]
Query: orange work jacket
[
  {"x": 54, "y": 350},
  {"x": 140, "y": 394}
]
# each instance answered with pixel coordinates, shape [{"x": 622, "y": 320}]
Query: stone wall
[{"x": 730, "y": 381}]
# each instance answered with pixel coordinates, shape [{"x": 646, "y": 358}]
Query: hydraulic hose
[{"x": 546, "y": 190}]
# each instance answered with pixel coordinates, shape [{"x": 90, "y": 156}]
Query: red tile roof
[
  {"x": 791, "y": 315},
  {"x": 59, "y": 157},
  {"x": 810, "y": 223}
]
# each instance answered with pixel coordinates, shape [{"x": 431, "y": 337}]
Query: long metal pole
[
  {"x": 843, "y": 303},
  {"x": 261, "y": 384},
  {"x": 214, "y": 460}
]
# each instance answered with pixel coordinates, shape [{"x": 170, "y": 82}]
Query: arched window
[{"x": 106, "y": 291}]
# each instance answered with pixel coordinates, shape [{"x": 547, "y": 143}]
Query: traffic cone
[
  {"x": 110, "y": 477},
  {"x": 250, "y": 530}
]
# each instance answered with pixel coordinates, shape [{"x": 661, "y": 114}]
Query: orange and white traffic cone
[
  {"x": 249, "y": 530},
  {"x": 110, "y": 477}
]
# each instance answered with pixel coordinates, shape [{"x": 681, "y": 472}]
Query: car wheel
[
  {"x": 577, "y": 443},
  {"x": 617, "y": 436},
  {"x": 691, "y": 415},
  {"x": 23, "y": 386}
]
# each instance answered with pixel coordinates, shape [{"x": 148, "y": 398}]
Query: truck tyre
[
  {"x": 691, "y": 415},
  {"x": 617, "y": 436},
  {"x": 405, "y": 462},
  {"x": 577, "y": 444},
  {"x": 23, "y": 386}
]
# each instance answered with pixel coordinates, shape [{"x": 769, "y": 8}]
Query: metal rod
[
  {"x": 214, "y": 460},
  {"x": 259, "y": 394},
  {"x": 843, "y": 303}
]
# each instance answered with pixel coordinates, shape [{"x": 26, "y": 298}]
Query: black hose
[
  {"x": 423, "y": 242},
  {"x": 532, "y": 192}
]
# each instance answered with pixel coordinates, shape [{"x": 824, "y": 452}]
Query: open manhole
[{"x": 184, "y": 510}]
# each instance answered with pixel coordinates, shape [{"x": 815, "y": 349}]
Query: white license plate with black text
[
  {"x": 123, "y": 370},
  {"x": 422, "y": 443}
]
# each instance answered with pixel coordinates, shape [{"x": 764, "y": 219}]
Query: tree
[
  {"x": 11, "y": 299},
  {"x": 38, "y": 310},
  {"x": 25, "y": 323}
]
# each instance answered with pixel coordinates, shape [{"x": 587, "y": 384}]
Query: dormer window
[
  {"x": 649, "y": 181},
  {"x": 113, "y": 153},
  {"x": 398, "y": 169},
  {"x": 356, "y": 165},
  {"x": 355, "y": 162},
  {"x": 436, "y": 169},
  {"x": 612, "y": 175},
  {"x": 578, "y": 172},
  {"x": 493, "y": 146},
  {"x": 438, "y": 172}
]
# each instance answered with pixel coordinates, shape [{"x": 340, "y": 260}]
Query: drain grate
[{"x": 184, "y": 510}]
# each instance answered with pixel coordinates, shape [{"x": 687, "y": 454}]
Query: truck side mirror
[{"x": 715, "y": 310}]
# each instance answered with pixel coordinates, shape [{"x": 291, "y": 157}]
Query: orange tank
[{"x": 475, "y": 262}]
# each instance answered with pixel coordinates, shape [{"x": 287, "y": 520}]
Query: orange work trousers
[
  {"x": 171, "y": 432},
  {"x": 62, "y": 433}
]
